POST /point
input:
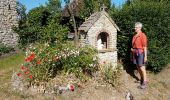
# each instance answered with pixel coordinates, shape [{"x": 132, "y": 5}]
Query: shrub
[
  {"x": 5, "y": 49},
  {"x": 84, "y": 63}
]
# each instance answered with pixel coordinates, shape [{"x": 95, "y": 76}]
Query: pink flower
[
  {"x": 19, "y": 74},
  {"x": 45, "y": 59},
  {"x": 71, "y": 87},
  {"x": 30, "y": 76},
  {"x": 30, "y": 58},
  {"x": 38, "y": 62},
  {"x": 26, "y": 60},
  {"x": 26, "y": 72},
  {"x": 22, "y": 68}
]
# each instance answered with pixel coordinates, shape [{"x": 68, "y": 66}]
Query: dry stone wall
[{"x": 8, "y": 19}]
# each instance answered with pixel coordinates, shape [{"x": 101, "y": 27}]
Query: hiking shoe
[
  {"x": 143, "y": 86},
  {"x": 137, "y": 81}
]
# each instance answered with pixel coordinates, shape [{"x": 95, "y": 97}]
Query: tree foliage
[
  {"x": 54, "y": 6},
  {"x": 91, "y": 6},
  {"x": 21, "y": 11},
  {"x": 41, "y": 24}
]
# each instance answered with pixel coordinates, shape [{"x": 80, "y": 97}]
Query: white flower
[
  {"x": 94, "y": 58},
  {"x": 90, "y": 65},
  {"x": 30, "y": 46},
  {"x": 46, "y": 44}
]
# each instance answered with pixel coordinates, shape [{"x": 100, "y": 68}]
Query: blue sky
[{"x": 35, "y": 3}]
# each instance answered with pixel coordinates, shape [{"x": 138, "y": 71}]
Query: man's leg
[
  {"x": 143, "y": 69},
  {"x": 143, "y": 84},
  {"x": 140, "y": 74}
]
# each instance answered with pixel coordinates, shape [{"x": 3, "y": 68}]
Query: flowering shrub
[{"x": 44, "y": 61}]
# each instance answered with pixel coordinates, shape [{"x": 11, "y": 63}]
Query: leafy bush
[
  {"x": 4, "y": 49},
  {"x": 40, "y": 25},
  {"x": 44, "y": 61},
  {"x": 155, "y": 19}
]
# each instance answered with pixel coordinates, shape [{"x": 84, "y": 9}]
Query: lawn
[
  {"x": 12, "y": 61},
  {"x": 8, "y": 66}
]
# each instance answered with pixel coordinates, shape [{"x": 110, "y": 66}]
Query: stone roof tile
[{"x": 93, "y": 18}]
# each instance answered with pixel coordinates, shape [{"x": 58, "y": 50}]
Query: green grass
[
  {"x": 7, "y": 66},
  {"x": 11, "y": 61}
]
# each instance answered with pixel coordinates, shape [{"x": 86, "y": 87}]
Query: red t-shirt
[{"x": 139, "y": 41}]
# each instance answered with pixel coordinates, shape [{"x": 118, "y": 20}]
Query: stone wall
[
  {"x": 8, "y": 19},
  {"x": 110, "y": 58}
]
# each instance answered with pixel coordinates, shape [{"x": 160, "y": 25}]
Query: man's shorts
[{"x": 138, "y": 58}]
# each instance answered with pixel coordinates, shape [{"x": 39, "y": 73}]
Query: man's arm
[{"x": 145, "y": 52}]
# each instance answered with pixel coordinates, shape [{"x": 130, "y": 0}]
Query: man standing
[{"x": 139, "y": 52}]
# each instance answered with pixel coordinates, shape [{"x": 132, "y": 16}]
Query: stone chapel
[{"x": 100, "y": 31}]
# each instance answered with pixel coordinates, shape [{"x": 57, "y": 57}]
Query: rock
[
  {"x": 129, "y": 96},
  {"x": 16, "y": 82}
]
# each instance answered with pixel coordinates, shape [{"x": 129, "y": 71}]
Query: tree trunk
[{"x": 75, "y": 29}]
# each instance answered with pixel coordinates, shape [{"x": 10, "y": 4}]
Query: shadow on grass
[{"x": 130, "y": 68}]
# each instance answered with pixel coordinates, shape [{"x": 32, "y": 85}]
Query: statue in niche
[{"x": 99, "y": 43}]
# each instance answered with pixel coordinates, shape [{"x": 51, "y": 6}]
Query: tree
[
  {"x": 71, "y": 10},
  {"x": 91, "y": 6},
  {"x": 21, "y": 12},
  {"x": 40, "y": 25},
  {"x": 54, "y": 6}
]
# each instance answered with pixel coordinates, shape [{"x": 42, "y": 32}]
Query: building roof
[
  {"x": 93, "y": 18},
  {"x": 70, "y": 36}
]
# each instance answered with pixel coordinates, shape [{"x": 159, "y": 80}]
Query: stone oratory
[{"x": 100, "y": 31}]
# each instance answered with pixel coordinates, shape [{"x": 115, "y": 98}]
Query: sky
[{"x": 35, "y": 3}]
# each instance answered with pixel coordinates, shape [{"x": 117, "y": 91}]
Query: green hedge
[{"x": 155, "y": 18}]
